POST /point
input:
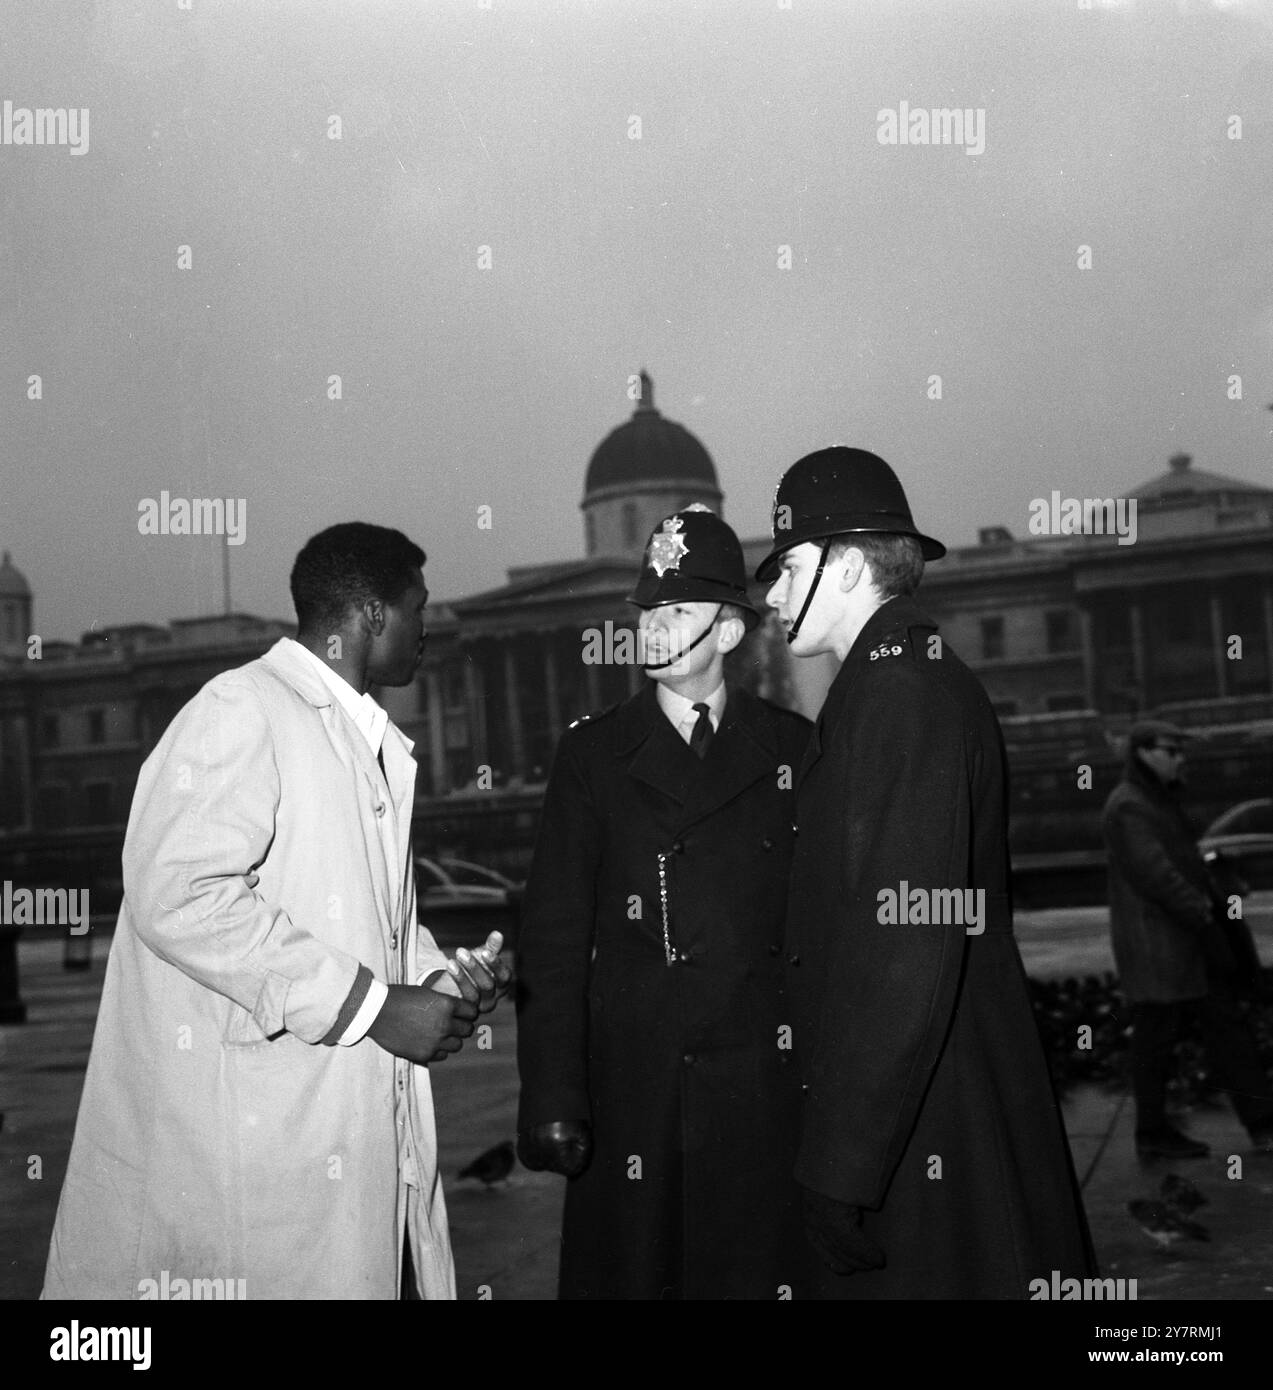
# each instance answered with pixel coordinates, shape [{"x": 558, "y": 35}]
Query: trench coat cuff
[{"x": 349, "y": 1009}]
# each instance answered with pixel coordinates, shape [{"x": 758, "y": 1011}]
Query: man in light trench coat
[{"x": 257, "y": 1108}]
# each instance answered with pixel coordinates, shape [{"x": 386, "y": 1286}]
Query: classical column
[
  {"x": 1218, "y": 647},
  {"x": 437, "y": 744},
  {"x": 1140, "y": 665},
  {"x": 1268, "y": 634},
  {"x": 551, "y": 691},
  {"x": 474, "y": 708},
  {"x": 516, "y": 749},
  {"x": 1089, "y": 658}
]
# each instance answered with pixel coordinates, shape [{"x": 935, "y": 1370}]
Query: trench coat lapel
[
  {"x": 353, "y": 750},
  {"x": 742, "y": 751},
  {"x": 654, "y": 752}
]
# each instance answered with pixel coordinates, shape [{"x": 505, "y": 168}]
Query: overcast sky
[{"x": 510, "y": 128}]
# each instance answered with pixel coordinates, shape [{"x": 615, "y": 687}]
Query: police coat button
[
  {"x": 689, "y": 1059},
  {"x": 685, "y": 957},
  {"x": 678, "y": 847},
  {"x": 804, "y": 1087},
  {"x": 793, "y": 959},
  {"x": 795, "y": 829},
  {"x": 766, "y": 843},
  {"x": 773, "y": 950}
]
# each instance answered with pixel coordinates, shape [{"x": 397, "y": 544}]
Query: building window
[
  {"x": 50, "y": 731},
  {"x": 991, "y": 638},
  {"x": 98, "y": 795},
  {"x": 51, "y": 802},
  {"x": 1060, "y": 628},
  {"x": 97, "y": 726},
  {"x": 630, "y": 536},
  {"x": 1185, "y": 620}
]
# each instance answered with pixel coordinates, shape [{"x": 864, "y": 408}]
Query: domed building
[{"x": 641, "y": 471}]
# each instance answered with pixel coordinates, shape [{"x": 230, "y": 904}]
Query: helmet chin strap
[
  {"x": 794, "y": 630},
  {"x": 663, "y": 665}
]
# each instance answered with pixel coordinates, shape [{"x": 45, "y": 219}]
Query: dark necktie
[{"x": 701, "y": 734}]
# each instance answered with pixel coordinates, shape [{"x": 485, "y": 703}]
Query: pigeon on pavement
[{"x": 1163, "y": 1225}]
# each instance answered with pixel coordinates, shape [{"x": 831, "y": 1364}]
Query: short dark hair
[
  {"x": 897, "y": 562},
  {"x": 345, "y": 566}
]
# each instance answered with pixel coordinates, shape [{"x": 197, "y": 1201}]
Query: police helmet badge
[{"x": 667, "y": 546}]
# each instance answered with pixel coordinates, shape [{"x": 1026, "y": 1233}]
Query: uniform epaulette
[{"x": 596, "y": 714}]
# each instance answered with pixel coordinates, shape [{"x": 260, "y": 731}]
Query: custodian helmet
[
  {"x": 692, "y": 556},
  {"x": 834, "y": 491}
]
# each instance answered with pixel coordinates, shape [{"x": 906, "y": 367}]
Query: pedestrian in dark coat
[
  {"x": 932, "y": 1152},
  {"x": 1170, "y": 948},
  {"x": 651, "y": 1024}
]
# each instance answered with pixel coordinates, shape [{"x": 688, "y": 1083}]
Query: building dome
[
  {"x": 640, "y": 473},
  {"x": 648, "y": 448},
  {"x": 13, "y": 583}
]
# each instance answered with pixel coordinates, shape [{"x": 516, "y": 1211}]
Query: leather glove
[
  {"x": 834, "y": 1229},
  {"x": 561, "y": 1146}
]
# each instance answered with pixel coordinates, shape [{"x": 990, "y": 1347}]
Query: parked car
[
  {"x": 461, "y": 902},
  {"x": 1239, "y": 844}
]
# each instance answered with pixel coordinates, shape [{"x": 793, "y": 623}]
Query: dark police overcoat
[
  {"x": 681, "y": 1069},
  {"x": 928, "y": 1101}
]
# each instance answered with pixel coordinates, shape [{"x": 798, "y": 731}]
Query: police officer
[
  {"x": 651, "y": 1036},
  {"x": 932, "y": 1157}
]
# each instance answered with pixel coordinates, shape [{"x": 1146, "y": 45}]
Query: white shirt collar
[
  {"x": 681, "y": 712},
  {"x": 369, "y": 718}
]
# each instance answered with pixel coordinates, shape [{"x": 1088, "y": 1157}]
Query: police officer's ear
[
  {"x": 854, "y": 568},
  {"x": 731, "y": 632}
]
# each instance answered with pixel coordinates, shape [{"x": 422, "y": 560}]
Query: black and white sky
[{"x": 510, "y": 125}]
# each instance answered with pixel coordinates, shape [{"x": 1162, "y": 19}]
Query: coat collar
[
  {"x": 399, "y": 766},
  {"x": 901, "y": 619},
  {"x": 744, "y": 749},
  {"x": 289, "y": 666}
]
